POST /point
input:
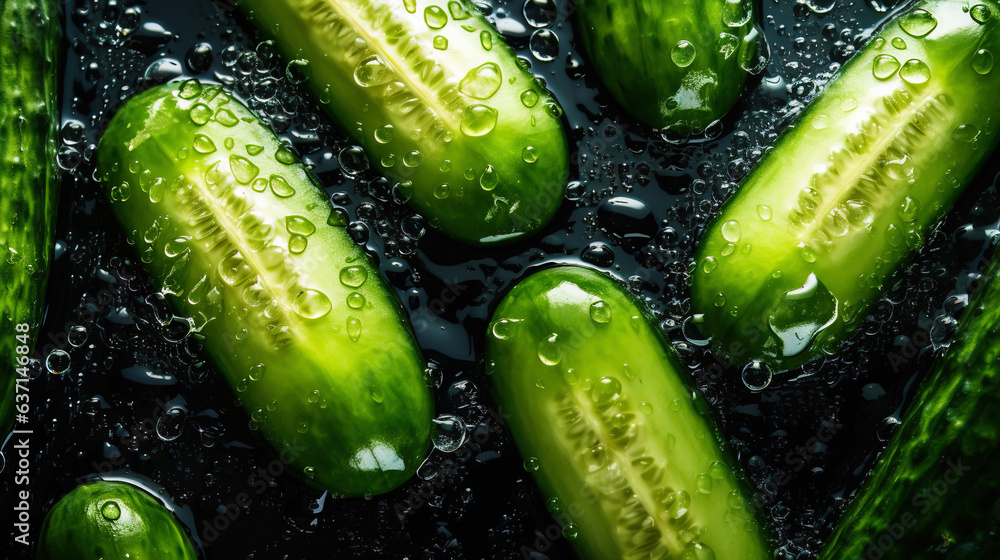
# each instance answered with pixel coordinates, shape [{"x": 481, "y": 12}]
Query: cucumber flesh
[
  {"x": 607, "y": 422},
  {"x": 112, "y": 521},
  {"x": 438, "y": 101},
  {"x": 305, "y": 330},
  {"x": 796, "y": 257},
  {"x": 29, "y": 57},
  {"x": 679, "y": 66}
]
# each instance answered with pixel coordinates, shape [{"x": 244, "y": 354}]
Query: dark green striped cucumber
[
  {"x": 672, "y": 64},
  {"x": 304, "y": 328},
  {"x": 605, "y": 417},
  {"x": 29, "y": 57},
  {"x": 110, "y": 520},
  {"x": 796, "y": 257},
  {"x": 438, "y": 101},
  {"x": 935, "y": 492}
]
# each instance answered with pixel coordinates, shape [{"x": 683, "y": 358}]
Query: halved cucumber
[
  {"x": 439, "y": 102},
  {"x": 677, "y": 65},
  {"x": 799, "y": 253},
  {"x": 112, "y": 521},
  {"x": 610, "y": 427},
  {"x": 306, "y": 331}
]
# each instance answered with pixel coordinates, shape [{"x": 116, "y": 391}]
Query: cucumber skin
[
  {"x": 29, "y": 57},
  {"x": 949, "y": 433},
  {"x": 858, "y": 265},
  {"x": 558, "y": 300},
  {"x": 527, "y": 195},
  {"x": 347, "y": 432},
  {"x": 145, "y": 530},
  {"x": 630, "y": 44}
]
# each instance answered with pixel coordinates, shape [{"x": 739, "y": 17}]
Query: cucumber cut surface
[
  {"x": 305, "y": 330},
  {"x": 618, "y": 441},
  {"x": 796, "y": 257},
  {"x": 439, "y": 102}
]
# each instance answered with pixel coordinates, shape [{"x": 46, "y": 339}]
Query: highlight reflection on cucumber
[
  {"x": 799, "y": 253},
  {"x": 112, "y": 521},
  {"x": 620, "y": 444},
  {"x": 440, "y": 104},
  {"x": 674, "y": 65},
  {"x": 28, "y": 184},
  {"x": 306, "y": 331}
]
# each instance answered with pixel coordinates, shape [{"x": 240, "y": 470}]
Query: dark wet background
[{"x": 136, "y": 398}]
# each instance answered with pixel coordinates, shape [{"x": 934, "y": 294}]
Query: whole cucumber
[
  {"x": 29, "y": 57},
  {"x": 672, "y": 64},
  {"x": 796, "y": 257},
  {"x": 306, "y": 331},
  {"x": 934, "y": 492},
  {"x": 438, "y": 101},
  {"x": 610, "y": 427},
  {"x": 110, "y": 520}
]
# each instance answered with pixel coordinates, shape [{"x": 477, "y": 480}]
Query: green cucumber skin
[
  {"x": 671, "y": 428},
  {"x": 859, "y": 232},
  {"x": 422, "y": 97},
  {"x": 948, "y": 435},
  {"x": 632, "y": 46},
  {"x": 341, "y": 394},
  {"x": 29, "y": 55},
  {"x": 75, "y": 527}
]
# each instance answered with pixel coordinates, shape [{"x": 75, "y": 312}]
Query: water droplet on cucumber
[
  {"x": 482, "y": 81},
  {"x": 683, "y": 53},
  {"x": 917, "y": 23}
]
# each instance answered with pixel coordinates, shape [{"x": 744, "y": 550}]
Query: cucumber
[
  {"x": 674, "y": 65},
  {"x": 795, "y": 258},
  {"x": 438, "y": 101},
  {"x": 112, "y": 521},
  {"x": 306, "y": 331},
  {"x": 29, "y": 57},
  {"x": 608, "y": 424},
  {"x": 934, "y": 492}
]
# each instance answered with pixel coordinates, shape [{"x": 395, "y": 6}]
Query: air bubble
[
  {"x": 540, "y": 13},
  {"x": 57, "y": 362},
  {"x": 756, "y": 376},
  {"x": 170, "y": 425},
  {"x": 449, "y": 433},
  {"x": 352, "y": 161},
  {"x": 544, "y": 45},
  {"x": 298, "y": 71}
]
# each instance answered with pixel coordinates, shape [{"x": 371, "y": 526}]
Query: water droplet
[
  {"x": 243, "y": 169},
  {"x": 917, "y": 23},
  {"x": 807, "y": 253},
  {"x": 571, "y": 531},
  {"x": 449, "y": 433},
  {"x": 355, "y": 300},
  {"x": 898, "y": 43},
  {"x": 727, "y": 44},
  {"x": 982, "y": 61},
  {"x": 486, "y": 40},
  {"x": 352, "y": 161},
  {"x": 111, "y": 510},
  {"x": 354, "y": 328},
  {"x": 200, "y": 113},
  {"x": 297, "y": 244},
  {"x": 57, "y": 362},
  {"x": 683, "y": 53},
  {"x": 550, "y": 350},
  {"x": 384, "y": 134},
  {"x": 299, "y": 225},
  {"x": 532, "y": 464},
  {"x": 981, "y": 13},
  {"x": 410, "y": 5},
  {"x": 442, "y": 191},
  {"x": 600, "y": 312},
  {"x": 482, "y": 81},
  {"x": 884, "y": 66},
  {"x": 170, "y": 425},
  {"x": 353, "y": 276},
  {"x": 504, "y": 328},
  {"x": 764, "y": 212},
  {"x": 203, "y": 144},
  {"x": 915, "y": 71},
  {"x": 298, "y": 71},
  {"x": 708, "y": 264},
  {"x": 703, "y": 483},
  {"x": 373, "y": 71},
  {"x": 312, "y": 304},
  {"x": 280, "y": 187},
  {"x": 529, "y": 154},
  {"x": 757, "y": 376},
  {"x": 303, "y": 428},
  {"x": 457, "y": 11},
  {"x": 440, "y": 42},
  {"x": 478, "y": 120},
  {"x": 225, "y": 117},
  {"x": 544, "y": 44},
  {"x": 285, "y": 156},
  {"x": 412, "y": 158},
  {"x": 802, "y": 314},
  {"x": 849, "y": 105},
  {"x": 77, "y": 337},
  {"x": 736, "y": 13},
  {"x": 965, "y": 133},
  {"x": 731, "y": 231},
  {"x": 606, "y": 391},
  {"x": 435, "y": 17},
  {"x": 718, "y": 470},
  {"x": 529, "y": 98}
]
